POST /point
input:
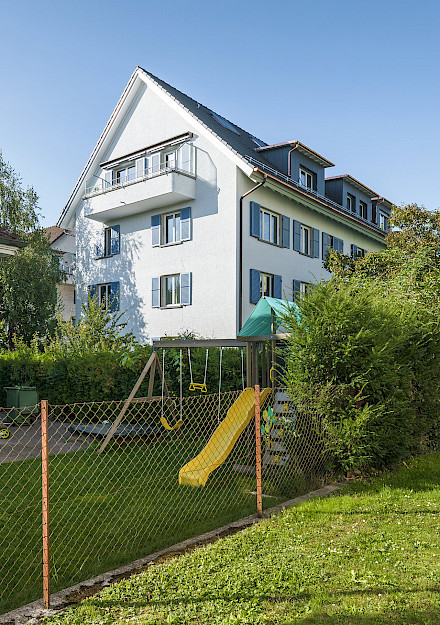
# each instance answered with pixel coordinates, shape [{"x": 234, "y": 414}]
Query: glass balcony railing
[{"x": 180, "y": 160}]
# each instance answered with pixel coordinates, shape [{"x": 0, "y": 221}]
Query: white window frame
[
  {"x": 116, "y": 174},
  {"x": 169, "y": 159},
  {"x": 304, "y": 288},
  {"x": 307, "y": 174},
  {"x": 363, "y": 209},
  {"x": 104, "y": 294},
  {"x": 175, "y": 295},
  {"x": 266, "y": 284},
  {"x": 383, "y": 221},
  {"x": 175, "y": 215},
  {"x": 351, "y": 203},
  {"x": 273, "y": 236},
  {"x": 107, "y": 242},
  {"x": 306, "y": 240}
]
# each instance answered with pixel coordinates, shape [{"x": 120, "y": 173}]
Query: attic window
[
  {"x": 224, "y": 122},
  {"x": 260, "y": 143}
]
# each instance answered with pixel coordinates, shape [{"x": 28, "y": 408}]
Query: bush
[{"x": 367, "y": 361}]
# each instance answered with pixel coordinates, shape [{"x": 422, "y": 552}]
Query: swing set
[{"x": 154, "y": 365}]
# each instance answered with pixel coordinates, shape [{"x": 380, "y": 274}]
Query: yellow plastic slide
[{"x": 219, "y": 446}]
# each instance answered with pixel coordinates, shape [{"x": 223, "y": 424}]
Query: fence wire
[{"x": 171, "y": 471}]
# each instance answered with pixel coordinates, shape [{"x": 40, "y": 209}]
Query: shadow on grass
[{"x": 102, "y": 603}]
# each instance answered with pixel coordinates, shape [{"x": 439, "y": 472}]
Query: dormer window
[
  {"x": 307, "y": 178},
  {"x": 351, "y": 203},
  {"x": 383, "y": 222},
  {"x": 363, "y": 210}
]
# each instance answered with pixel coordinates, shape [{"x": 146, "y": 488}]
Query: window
[
  {"x": 169, "y": 228},
  {"x": 307, "y": 178},
  {"x": 357, "y": 252},
  {"x": 300, "y": 289},
  {"x": 225, "y": 123},
  {"x": 266, "y": 284},
  {"x": 351, "y": 203},
  {"x": 109, "y": 242},
  {"x": 269, "y": 226},
  {"x": 331, "y": 242},
  {"x": 122, "y": 176},
  {"x": 306, "y": 240},
  {"x": 383, "y": 222},
  {"x": 170, "y": 160},
  {"x": 305, "y": 288},
  {"x": 172, "y": 290},
  {"x": 363, "y": 209},
  {"x": 107, "y": 294}
]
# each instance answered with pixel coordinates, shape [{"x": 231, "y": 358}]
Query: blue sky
[{"x": 356, "y": 81}]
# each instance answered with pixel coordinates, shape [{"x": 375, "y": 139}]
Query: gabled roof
[
  {"x": 54, "y": 233},
  {"x": 360, "y": 186},
  {"x": 7, "y": 237},
  {"x": 297, "y": 145}
]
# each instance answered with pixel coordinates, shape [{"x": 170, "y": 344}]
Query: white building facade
[{"x": 184, "y": 220}]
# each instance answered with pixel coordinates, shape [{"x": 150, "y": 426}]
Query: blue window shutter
[
  {"x": 315, "y": 243},
  {"x": 114, "y": 296},
  {"x": 286, "y": 232},
  {"x": 155, "y": 292},
  {"x": 155, "y": 229},
  {"x": 277, "y": 286},
  {"x": 92, "y": 291},
  {"x": 296, "y": 235},
  {"x": 115, "y": 240},
  {"x": 354, "y": 250},
  {"x": 185, "y": 288},
  {"x": 185, "y": 223},
  {"x": 340, "y": 246},
  {"x": 255, "y": 219},
  {"x": 254, "y": 288},
  {"x": 296, "y": 290},
  {"x": 325, "y": 245}
]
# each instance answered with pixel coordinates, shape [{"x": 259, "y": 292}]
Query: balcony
[{"x": 159, "y": 180}]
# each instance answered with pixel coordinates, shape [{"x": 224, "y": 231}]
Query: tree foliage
[
  {"x": 366, "y": 352},
  {"x": 18, "y": 206},
  {"x": 28, "y": 295}
]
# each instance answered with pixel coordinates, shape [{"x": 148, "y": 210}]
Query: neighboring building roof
[
  {"x": 7, "y": 237},
  {"x": 361, "y": 187},
  {"x": 54, "y": 233},
  {"x": 297, "y": 145}
]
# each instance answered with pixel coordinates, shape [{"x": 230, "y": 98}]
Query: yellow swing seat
[
  {"x": 196, "y": 386},
  {"x": 169, "y": 427}
]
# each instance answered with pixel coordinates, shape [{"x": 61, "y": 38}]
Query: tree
[
  {"x": 18, "y": 206},
  {"x": 28, "y": 295}
]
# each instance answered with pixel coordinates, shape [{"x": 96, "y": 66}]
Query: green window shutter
[
  {"x": 296, "y": 290},
  {"x": 114, "y": 296},
  {"x": 325, "y": 245},
  {"x": 254, "y": 287},
  {"x": 185, "y": 289},
  {"x": 185, "y": 223},
  {"x": 296, "y": 235},
  {"x": 155, "y": 292},
  {"x": 277, "y": 286},
  {"x": 255, "y": 219},
  {"x": 155, "y": 229},
  {"x": 286, "y": 232},
  {"x": 315, "y": 243}
]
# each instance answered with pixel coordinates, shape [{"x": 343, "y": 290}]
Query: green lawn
[
  {"x": 108, "y": 510},
  {"x": 368, "y": 556}
]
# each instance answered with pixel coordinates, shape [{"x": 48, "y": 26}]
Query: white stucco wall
[{"x": 210, "y": 255}]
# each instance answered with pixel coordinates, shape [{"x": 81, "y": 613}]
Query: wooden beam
[
  {"x": 192, "y": 343},
  {"x": 127, "y": 402},
  {"x": 151, "y": 381}
]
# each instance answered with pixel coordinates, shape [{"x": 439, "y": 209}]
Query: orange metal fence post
[
  {"x": 45, "y": 500},
  {"x": 258, "y": 451}
]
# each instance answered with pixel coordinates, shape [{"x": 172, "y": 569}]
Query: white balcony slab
[{"x": 139, "y": 197}]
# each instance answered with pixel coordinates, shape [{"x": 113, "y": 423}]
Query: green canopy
[{"x": 266, "y": 318}]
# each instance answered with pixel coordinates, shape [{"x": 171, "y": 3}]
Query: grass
[
  {"x": 368, "y": 556},
  {"x": 108, "y": 510}
]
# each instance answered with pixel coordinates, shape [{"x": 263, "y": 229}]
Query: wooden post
[
  {"x": 248, "y": 364},
  {"x": 255, "y": 376},
  {"x": 151, "y": 381},
  {"x": 274, "y": 363},
  {"x": 45, "y": 501},
  {"x": 258, "y": 451},
  {"x": 152, "y": 358}
]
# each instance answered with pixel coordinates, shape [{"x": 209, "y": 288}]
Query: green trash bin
[{"x": 23, "y": 402}]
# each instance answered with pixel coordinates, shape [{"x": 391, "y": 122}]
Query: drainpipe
[
  {"x": 240, "y": 258},
  {"x": 289, "y": 167}
]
